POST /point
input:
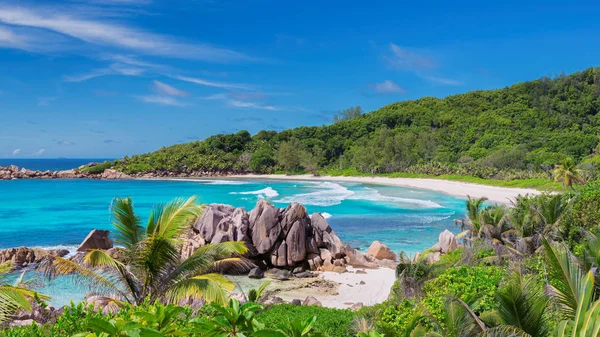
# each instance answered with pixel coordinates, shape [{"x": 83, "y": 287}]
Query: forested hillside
[{"x": 517, "y": 132}]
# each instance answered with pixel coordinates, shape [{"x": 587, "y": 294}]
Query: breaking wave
[
  {"x": 373, "y": 195},
  {"x": 328, "y": 194},
  {"x": 265, "y": 193}
]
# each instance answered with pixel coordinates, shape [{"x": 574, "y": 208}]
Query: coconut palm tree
[
  {"x": 152, "y": 265},
  {"x": 586, "y": 321},
  {"x": 15, "y": 296},
  {"x": 565, "y": 277},
  {"x": 474, "y": 208},
  {"x": 521, "y": 306},
  {"x": 568, "y": 173}
]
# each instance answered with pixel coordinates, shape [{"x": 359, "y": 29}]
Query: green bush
[
  {"x": 96, "y": 169},
  {"x": 583, "y": 214},
  {"x": 394, "y": 318},
  {"x": 333, "y": 322},
  {"x": 463, "y": 282}
]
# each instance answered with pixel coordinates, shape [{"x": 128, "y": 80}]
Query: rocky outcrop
[
  {"x": 23, "y": 256},
  {"x": 96, "y": 239},
  {"x": 447, "y": 243},
  {"x": 14, "y": 172},
  {"x": 285, "y": 238},
  {"x": 381, "y": 251},
  {"x": 113, "y": 174}
]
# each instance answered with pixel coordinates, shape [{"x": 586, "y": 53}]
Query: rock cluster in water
[
  {"x": 283, "y": 238},
  {"x": 22, "y": 256}
]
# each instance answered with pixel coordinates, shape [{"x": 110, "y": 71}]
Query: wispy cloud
[
  {"x": 90, "y": 28},
  {"x": 165, "y": 89},
  {"x": 406, "y": 59},
  {"x": 44, "y": 101},
  {"x": 162, "y": 100},
  {"x": 442, "y": 80},
  {"x": 387, "y": 87},
  {"x": 215, "y": 97},
  {"x": 63, "y": 142},
  {"x": 113, "y": 69},
  {"x": 16, "y": 152},
  {"x": 38, "y": 152},
  {"x": 110, "y": 141},
  {"x": 243, "y": 104},
  {"x": 222, "y": 85}
]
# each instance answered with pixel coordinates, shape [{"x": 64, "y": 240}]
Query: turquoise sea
[{"x": 60, "y": 213}]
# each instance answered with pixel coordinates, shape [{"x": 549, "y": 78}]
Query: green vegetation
[
  {"x": 14, "y": 297},
  {"x": 150, "y": 265},
  {"x": 518, "y": 133}
]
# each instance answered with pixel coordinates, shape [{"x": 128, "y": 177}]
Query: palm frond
[
  {"x": 175, "y": 216},
  {"x": 11, "y": 299},
  {"x": 64, "y": 267},
  {"x": 127, "y": 224},
  {"x": 521, "y": 304},
  {"x": 210, "y": 287},
  {"x": 504, "y": 331},
  {"x": 208, "y": 257},
  {"x": 565, "y": 276},
  {"x": 100, "y": 259}
]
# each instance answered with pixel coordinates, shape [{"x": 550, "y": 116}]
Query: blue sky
[{"x": 108, "y": 78}]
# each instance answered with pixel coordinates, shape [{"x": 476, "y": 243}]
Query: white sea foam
[
  {"x": 373, "y": 195},
  {"x": 209, "y": 181},
  {"x": 265, "y": 193},
  {"x": 328, "y": 194},
  {"x": 72, "y": 249},
  {"x": 326, "y": 215}
]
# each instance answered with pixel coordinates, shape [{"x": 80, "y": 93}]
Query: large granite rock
[
  {"x": 97, "y": 239},
  {"x": 113, "y": 174},
  {"x": 381, "y": 251},
  {"x": 447, "y": 242},
  {"x": 265, "y": 226},
  {"x": 285, "y": 238},
  {"x": 22, "y": 256}
]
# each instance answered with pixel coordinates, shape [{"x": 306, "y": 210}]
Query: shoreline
[{"x": 496, "y": 194}]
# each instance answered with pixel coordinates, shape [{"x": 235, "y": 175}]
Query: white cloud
[
  {"x": 387, "y": 87},
  {"x": 162, "y": 100},
  {"x": 86, "y": 27},
  {"x": 200, "y": 81},
  {"x": 165, "y": 89},
  {"x": 113, "y": 69},
  {"x": 214, "y": 97},
  {"x": 242, "y": 104},
  {"x": 39, "y": 152},
  {"x": 405, "y": 59},
  {"x": 16, "y": 152},
  {"x": 44, "y": 101},
  {"x": 442, "y": 80}
]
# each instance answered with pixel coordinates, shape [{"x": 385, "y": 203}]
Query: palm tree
[
  {"x": 565, "y": 277},
  {"x": 152, "y": 266},
  {"x": 521, "y": 306},
  {"x": 568, "y": 173},
  {"x": 16, "y": 296},
  {"x": 586, "y": 322},
  {"x": 474, "y": 209}
]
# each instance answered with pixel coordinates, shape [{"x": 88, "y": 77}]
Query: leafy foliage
[{"x": 518, "y": 132}]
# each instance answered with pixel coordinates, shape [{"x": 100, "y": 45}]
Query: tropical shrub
[{"x": 463, "y": 282}]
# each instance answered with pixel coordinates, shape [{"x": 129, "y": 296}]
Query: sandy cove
[{"x": 496, "y": 194}]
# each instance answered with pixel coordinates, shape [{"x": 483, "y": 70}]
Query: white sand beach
[
  {"x": 369, "y": 288},
  {"x": 495, "y": 194}
]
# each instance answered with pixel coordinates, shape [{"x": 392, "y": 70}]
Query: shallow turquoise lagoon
[{"x": 60, "y": 213}]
